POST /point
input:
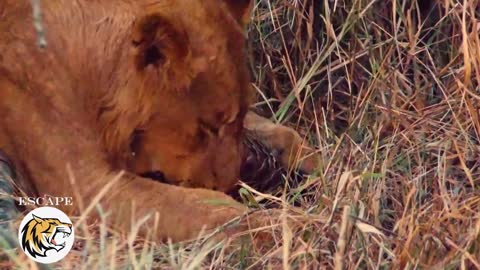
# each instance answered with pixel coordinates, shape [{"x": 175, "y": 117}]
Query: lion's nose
[
  {"x": 225, "y": 176},
  {"x": 225, "y": 165}
]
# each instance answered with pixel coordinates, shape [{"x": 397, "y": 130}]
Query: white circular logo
[{"x": 46, "y": 235}]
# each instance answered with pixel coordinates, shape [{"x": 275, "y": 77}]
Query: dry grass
[
  {"x": 391, "y": 101},
  {"x": 390, "y": 96}
]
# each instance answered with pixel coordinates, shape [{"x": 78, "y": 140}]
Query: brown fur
[
  {"x": 295, "y": 152},
  {"x": 171, "y": 74}
]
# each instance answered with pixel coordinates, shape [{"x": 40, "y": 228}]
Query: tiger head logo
[{"x": 40, "y": 235}]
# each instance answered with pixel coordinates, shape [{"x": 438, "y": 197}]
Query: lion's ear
[
  {"x": 156, "y": 41},
  {"x": 241, "y": 9}
]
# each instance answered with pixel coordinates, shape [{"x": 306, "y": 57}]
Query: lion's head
[
  {"x": 195, "y": 89},
  {"x": 42, "y": 234}
]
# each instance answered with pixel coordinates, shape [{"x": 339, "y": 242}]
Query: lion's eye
[
  {"x": 208, "y": 128},
  {"x": 135, "y": 141},
  {"x": 234, "y": 127},
  {"x": 202, "y": 136}
]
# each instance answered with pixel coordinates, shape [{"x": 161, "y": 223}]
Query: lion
[
  {"x": 136, "y": 86},
  {"x": 40, "y": 235}
]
